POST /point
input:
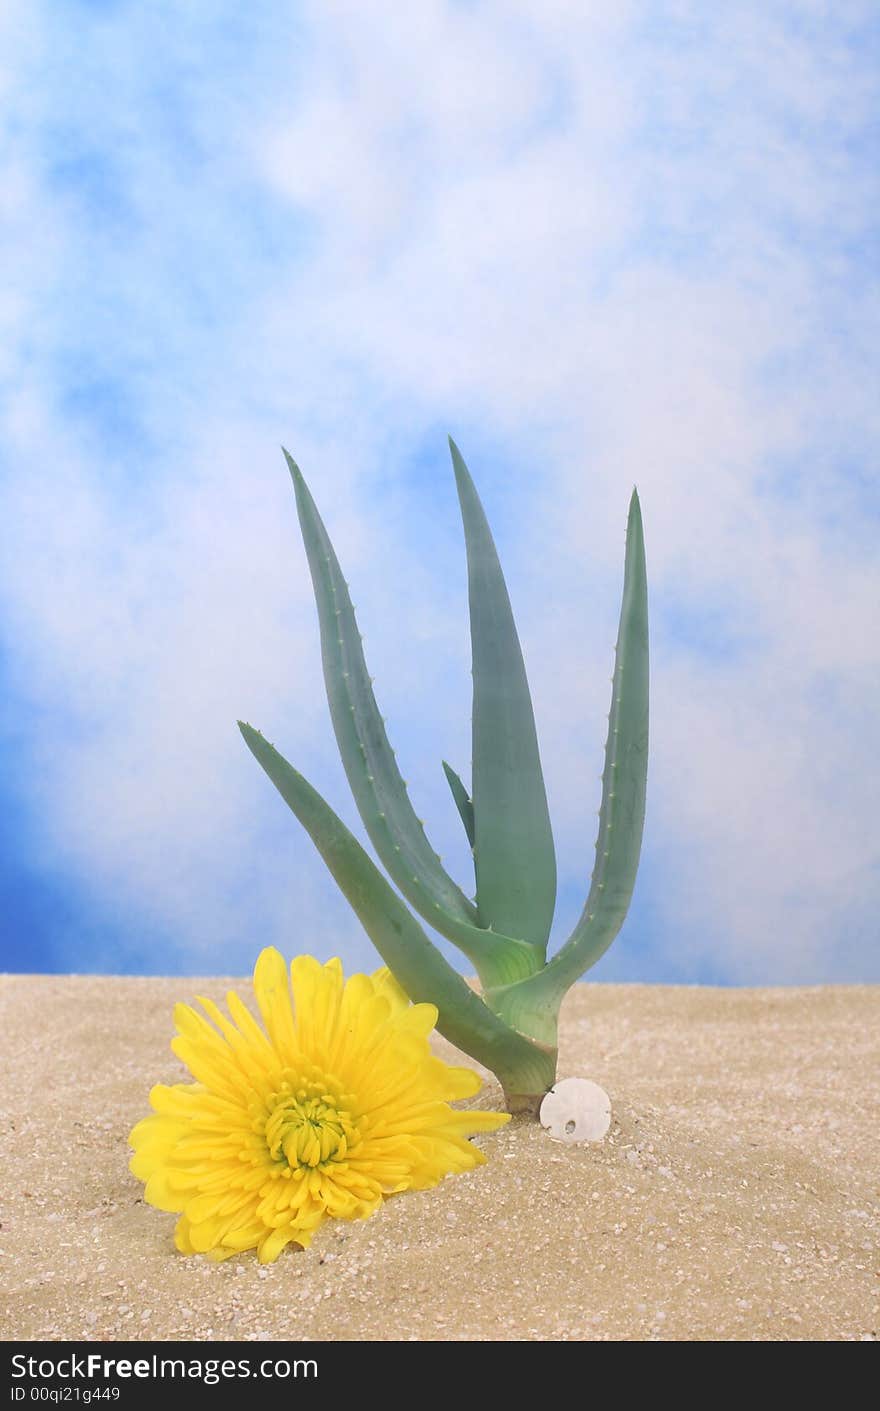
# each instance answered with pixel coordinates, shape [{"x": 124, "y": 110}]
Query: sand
[{"x": 735, "y": 1197}]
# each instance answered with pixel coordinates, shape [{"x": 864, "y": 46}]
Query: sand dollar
[{"x": 576, "y": 1110}]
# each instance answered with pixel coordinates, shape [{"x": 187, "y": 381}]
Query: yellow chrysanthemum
[{"x": 338, "y": 1104}]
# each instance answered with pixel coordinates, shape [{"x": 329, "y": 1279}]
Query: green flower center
[{"x": 308, "y": 1125}]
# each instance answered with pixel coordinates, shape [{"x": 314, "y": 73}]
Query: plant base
[{"x": 524, "y": 1104}]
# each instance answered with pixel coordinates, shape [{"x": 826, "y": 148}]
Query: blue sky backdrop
[{"x": 602, "y": 244}]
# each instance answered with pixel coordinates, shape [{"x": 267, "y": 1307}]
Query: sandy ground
[{"x": 735, "y": 1197}]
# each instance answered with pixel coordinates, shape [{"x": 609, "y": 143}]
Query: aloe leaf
[
  {"x": 513, "y": 852},
  {"x": 379, "y": 792},
  {"x": 419, "y": 967},
  {"x": 462, "y": 801},
  {"x": 622, "y": 811}
]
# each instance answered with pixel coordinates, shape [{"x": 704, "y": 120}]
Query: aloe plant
[{"x": 511, "y": 1027}]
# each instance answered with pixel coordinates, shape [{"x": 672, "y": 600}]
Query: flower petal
[{"x": 273, "y": 997}]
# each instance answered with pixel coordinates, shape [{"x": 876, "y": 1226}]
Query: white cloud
[{"x": 601, "y": 252}]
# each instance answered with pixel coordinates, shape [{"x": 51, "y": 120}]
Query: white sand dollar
[{"x": 576, "y": 1110}]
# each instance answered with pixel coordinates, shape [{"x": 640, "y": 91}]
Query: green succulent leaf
[
  {"x": 380, "y": 794},
  {"x": 462, "y": 801},
  {"x": 379, "y": 791},
  {"x": 514, "y": 857},
  {"x": 622, "y": 811}
]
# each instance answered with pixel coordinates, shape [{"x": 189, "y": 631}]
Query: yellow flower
[{"x": 338, "y": 1104}]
